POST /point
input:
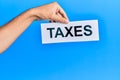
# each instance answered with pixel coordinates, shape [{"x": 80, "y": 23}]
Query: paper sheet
[{"x": 76, "y": 31}]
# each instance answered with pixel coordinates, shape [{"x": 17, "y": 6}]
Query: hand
[
  {"x": 10, "y": 32},
  {"x": 52, "y": 12}
]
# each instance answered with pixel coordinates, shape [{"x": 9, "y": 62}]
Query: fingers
[
  {"x": 58, "y": 18},
  {"x": 52, "y": 12},
  {"x": 63, "y": 14}
]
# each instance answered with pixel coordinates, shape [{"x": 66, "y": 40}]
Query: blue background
[{"x": 28, "y": 59}]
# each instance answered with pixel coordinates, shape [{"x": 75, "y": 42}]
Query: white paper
[{"x": 77, "y": 27}]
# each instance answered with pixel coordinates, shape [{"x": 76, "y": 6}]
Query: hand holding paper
[{"x": 10, "y": 32}]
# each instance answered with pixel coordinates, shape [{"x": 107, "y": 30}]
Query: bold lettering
[
  {"x": 68, "y": 31},
  {"x": 88, "y": 29},
  {"x": 59, "y": 32},
  {"x": 50, "y": 31},
  {"x": 76, "y": 30}
]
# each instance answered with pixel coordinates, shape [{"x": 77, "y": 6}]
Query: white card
[{"x": 76, "y": 31}]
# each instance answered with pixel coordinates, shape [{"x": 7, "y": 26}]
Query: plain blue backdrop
[{"x": 28, "y": 59}]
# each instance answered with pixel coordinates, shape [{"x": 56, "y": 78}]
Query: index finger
[{"x": 63, "y": 14}]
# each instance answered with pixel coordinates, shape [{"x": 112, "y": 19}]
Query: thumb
[{"x": 61, "y": 19}]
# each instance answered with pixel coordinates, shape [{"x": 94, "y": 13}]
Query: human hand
[
  {"x": 10, "y": 32},
  {"x": 52, "y": 12}
]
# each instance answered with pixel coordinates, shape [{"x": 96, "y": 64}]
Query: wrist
[{"x": 31, "y": 14}]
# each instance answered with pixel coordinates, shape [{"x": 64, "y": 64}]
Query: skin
[{"x": 12, "y": 30}]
